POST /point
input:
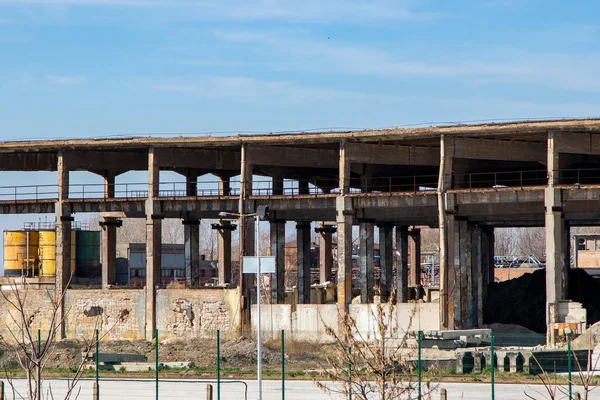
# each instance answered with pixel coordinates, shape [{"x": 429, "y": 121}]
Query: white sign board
[{"x": 267, "y": 265}]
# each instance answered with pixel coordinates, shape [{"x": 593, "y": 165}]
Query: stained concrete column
[
  {"x": 224, "y": 186},
  {"x": 446, "y": 211},
  {"x": 325, "y": 251},
  {"x": 386, "y": 261},
  {"x": 401, "y": 260},
  {"x": 63, "y": 236},
  {"x": 556, "y": 282},
  {"x": 303, "y": 187},
  {"x": 109, "y": 184},
  {"x": 153, "y": 242},
  {"x": 246, "y": 234},
  {"x": 277, "y": 239},
  {"x": 367, "y": 271},
  {"x": 191, "y": 185},
  {"x": 414, "y": 253},
  {"x": 475, "y": 288},
  {"x": 344, "y": 213},
  {"x": 303, "y": 247},
  {"x": 224, "y": 229},
  {"x": 109, "y": 250},
  {"x": 277, "y": 185},
  {"x": 487, "y": 257},
  {"x": 191, "y": 240}
]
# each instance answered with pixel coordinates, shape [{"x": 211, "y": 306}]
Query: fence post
[
  {"x": 419, "y": 333},
  {"x": 218, "y": 365},
  {"x": 96, "y": 394},
  {"x": 209, "y": 392},
  {"x": 569, "y": 365},
  {"x": 282, "y": 364},
  {"x": 156, "y": 361},
  {"x": 1, "y": 390},
  {"x": 492, "y": 366},
  {"x": 96, "y": 360},
  {"x": 349, "y": 374}
]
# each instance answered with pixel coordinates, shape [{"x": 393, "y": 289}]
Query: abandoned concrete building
[{"x": 465, "y": 179}]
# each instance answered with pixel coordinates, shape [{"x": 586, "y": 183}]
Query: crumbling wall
[
  {"x": 190, "y": 313},
  {"x": 38, "y": 306},
  {"x": 118, "y": 314}
]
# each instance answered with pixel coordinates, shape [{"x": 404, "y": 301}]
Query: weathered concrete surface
[
  {"x": 37, "y": 306},
  {"x": 118, "y": 314},
  {"x": 190, "y": 313},
  {"x": 426, "y": 316},
  {"x": 300, "y": 322}
]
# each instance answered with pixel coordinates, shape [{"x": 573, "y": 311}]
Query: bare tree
[
  {"x": 371, "y": 367},
  {"x": 31, "y": 355}
]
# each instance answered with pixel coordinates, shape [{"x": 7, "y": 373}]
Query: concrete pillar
[
  {"x": 153, "y": 242},
  {"x": 414, "y": 253},
  {"x": 191, "y": 185},
  {"x": 224, "y": 186},
  {"x": 446, "y": 210},
  {"x": 401, "y": 264},
  {"x": 191, "y": 240},
  {"x": 500, "y": 359},
  {"x": 63, "y": 236},
  {"x": 277, "y": 236},
  {"x": 246, "y": 234},
  {"x": 556, "y": 282},
  {"x": 386, "y": 261},
  {"x": 224, "y": 229},
  {"x": 277, "y": 185},
  {"x": 109, "y": 184},
  {"x": 344, "y": 212},
  {"x": 325, "y": 252},
  {"x": 475, "y": 288},
  {"x": 303, "y": 187},
  {"x": 367, "y": 272},
  {"x": 303, "y": 247},
  {"x": 477, "y": 364},
  {"x": 109, "y": 250},
  {"x": 487, "y": 258}
]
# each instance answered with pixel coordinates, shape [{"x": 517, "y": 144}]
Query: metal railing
[
  {"x": 495, "y": 180},
  {"x": 579, "y": 176}
]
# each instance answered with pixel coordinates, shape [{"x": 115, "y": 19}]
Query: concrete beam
[
  {"x": 392, "y": 155},
  {"x": 503, "y": 150},
  {"x": 286, "y": 156},
  {"x": 101, "y": 160},
  {"x": 28, "y": 161},
  {"x": 576, "y": 143},
  {"x": 171, "y": 158}
]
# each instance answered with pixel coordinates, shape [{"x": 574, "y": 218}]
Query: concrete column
[
  {"x": 109, "y": 184},
  {"x": 556, "y": 282},
  {"x": 153, "y": 242},
  {"x": 109, "y": 250},
  {"x": 191, "y": 185},
  {"x": 224, "y": 186},
  {"x": 224, "y": 229},
  {"x": 446, "y": 211},
  {"x": 191, "y": 240},
  {"x": 475, "y": 288},
  {"x": 277, "y": 235},
  {"x": 246, "y": 234},
  {"x": 325, "y": 252},
  {"x": 303, "y": 187},
  {"x": 277, "y": 185},
  {"x": 344, "y": 213},
  {"x": 386, "y": 261},
  {"x": 367, "y": 272},
  {"x": 303, "y": 247},
  {"x": 401, "y": 260},
  {"x": 414, "y": 253},
  {"x": 63, "y": 236}
]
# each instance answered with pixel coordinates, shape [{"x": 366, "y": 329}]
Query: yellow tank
[
  {"x": 47, "y": 252},
  {"x": 16, "y": 261}
]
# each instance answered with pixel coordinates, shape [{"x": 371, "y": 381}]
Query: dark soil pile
[{"x": 522, "y": 301}]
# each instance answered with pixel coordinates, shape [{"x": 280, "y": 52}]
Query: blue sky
[
  {"x": 81, "y": 68},
  {"x": 89, "y": 68}
]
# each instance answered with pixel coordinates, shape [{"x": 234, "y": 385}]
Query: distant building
[{"x": 587, "y": 253}]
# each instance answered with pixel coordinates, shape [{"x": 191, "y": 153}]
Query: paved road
[{"x": 302, "y": 390}]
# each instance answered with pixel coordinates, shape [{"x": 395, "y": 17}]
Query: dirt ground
[{"x": 200, "y": 353}]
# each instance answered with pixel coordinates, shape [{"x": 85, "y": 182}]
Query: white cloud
[{"x": 66, "y": 80}]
